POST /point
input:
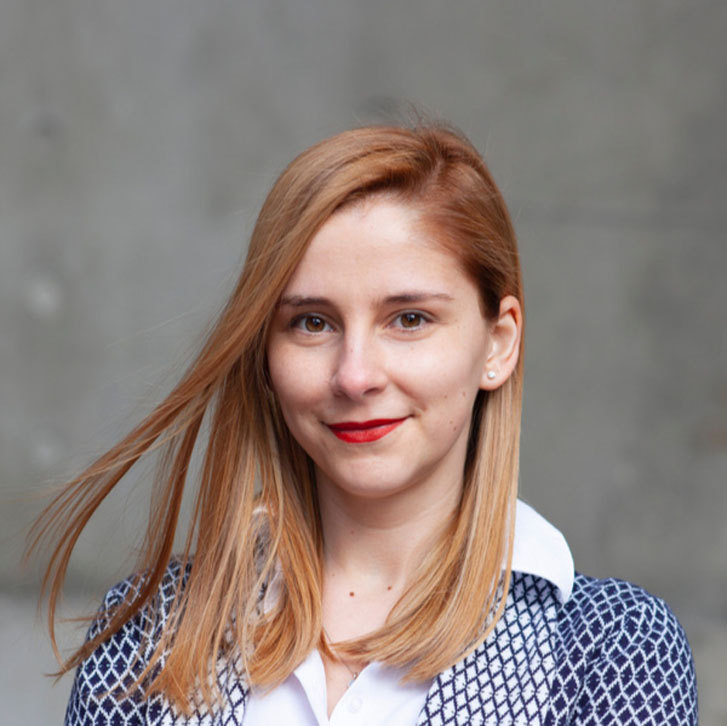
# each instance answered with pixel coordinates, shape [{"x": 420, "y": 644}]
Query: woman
[{"x": 357, "y": 552}]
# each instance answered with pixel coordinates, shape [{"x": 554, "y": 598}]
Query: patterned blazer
[{"x": 612, "y": 654}]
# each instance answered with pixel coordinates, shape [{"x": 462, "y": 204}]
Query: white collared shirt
[{"x": 376, "y": 696}]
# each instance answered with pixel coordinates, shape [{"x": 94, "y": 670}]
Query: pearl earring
[{"x": 491, "y": 375}]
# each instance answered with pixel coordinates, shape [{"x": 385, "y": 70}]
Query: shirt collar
[{"x": 540, "y": 549}]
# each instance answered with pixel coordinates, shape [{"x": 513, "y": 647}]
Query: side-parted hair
[{"x": 255, "y": 511}]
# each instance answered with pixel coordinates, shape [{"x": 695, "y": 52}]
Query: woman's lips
[{"x": 362, "y": 432}]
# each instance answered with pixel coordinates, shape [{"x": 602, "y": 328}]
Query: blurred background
[{"x": 139, "y": 138}]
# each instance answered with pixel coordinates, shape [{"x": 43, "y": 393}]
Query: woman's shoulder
[
  {"x": 600, "y": 605},
  {"x": 101, "y": 688},
  {"x": 623, "y": 648},
  {"x": 615, "y": 614},
  {"x": 153, "y": 615}
]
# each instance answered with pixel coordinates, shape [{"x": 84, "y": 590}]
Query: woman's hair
[{"x": 255, "y": 513}]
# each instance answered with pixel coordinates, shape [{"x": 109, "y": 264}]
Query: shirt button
[{"x": 354, "y": 705}]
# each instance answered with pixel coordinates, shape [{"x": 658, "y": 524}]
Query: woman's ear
[{"x": 503, "y": 344}]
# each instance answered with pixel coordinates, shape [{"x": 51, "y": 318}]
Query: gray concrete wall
[{"x": 138, "y": 139}]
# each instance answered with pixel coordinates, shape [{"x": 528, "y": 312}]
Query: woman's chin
[{"x": 364, "y": 485}]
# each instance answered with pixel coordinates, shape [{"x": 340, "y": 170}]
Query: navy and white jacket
[{"x": 605, "y": 653}]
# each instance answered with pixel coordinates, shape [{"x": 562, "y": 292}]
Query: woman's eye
[
  {"x": 310, "y": 324},
  {"x": 411, "y": 321}
]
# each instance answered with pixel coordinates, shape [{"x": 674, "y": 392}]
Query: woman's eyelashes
[
  {"x": 310, "y": 323},
  {"x": 314, "y": 324},
  {"x": 411, "y": 320}
]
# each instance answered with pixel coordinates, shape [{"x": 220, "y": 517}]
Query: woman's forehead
[{"x": 375, "y": 251}]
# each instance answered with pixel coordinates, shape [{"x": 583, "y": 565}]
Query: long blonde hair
[{"x": 231, "y": 551}]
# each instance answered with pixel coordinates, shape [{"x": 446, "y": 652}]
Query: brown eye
[
  {"x": 411, "y": 320},
  {"x": 311, "y": 323},
  {"x": 314, "y": 324}
]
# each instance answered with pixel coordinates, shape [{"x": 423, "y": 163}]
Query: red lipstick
[{"x": 362, "y": 432}]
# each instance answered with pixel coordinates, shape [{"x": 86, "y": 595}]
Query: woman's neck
[{"x": 373, "y": 545}]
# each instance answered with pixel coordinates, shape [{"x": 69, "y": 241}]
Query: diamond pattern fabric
[{"x": 612, "y": 655}]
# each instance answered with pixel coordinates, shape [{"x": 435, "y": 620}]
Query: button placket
[{"x": 355, "y": 704}]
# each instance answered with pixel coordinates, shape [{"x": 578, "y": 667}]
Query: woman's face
[{"x": 377, "y": 351}]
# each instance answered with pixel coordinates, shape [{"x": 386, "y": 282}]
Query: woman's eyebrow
[
  {"x": 416, "y": 296},
  {"x": 301, "y": 301}
]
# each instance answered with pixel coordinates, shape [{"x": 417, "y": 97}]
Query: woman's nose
[{"x": 359, "y": 369}]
